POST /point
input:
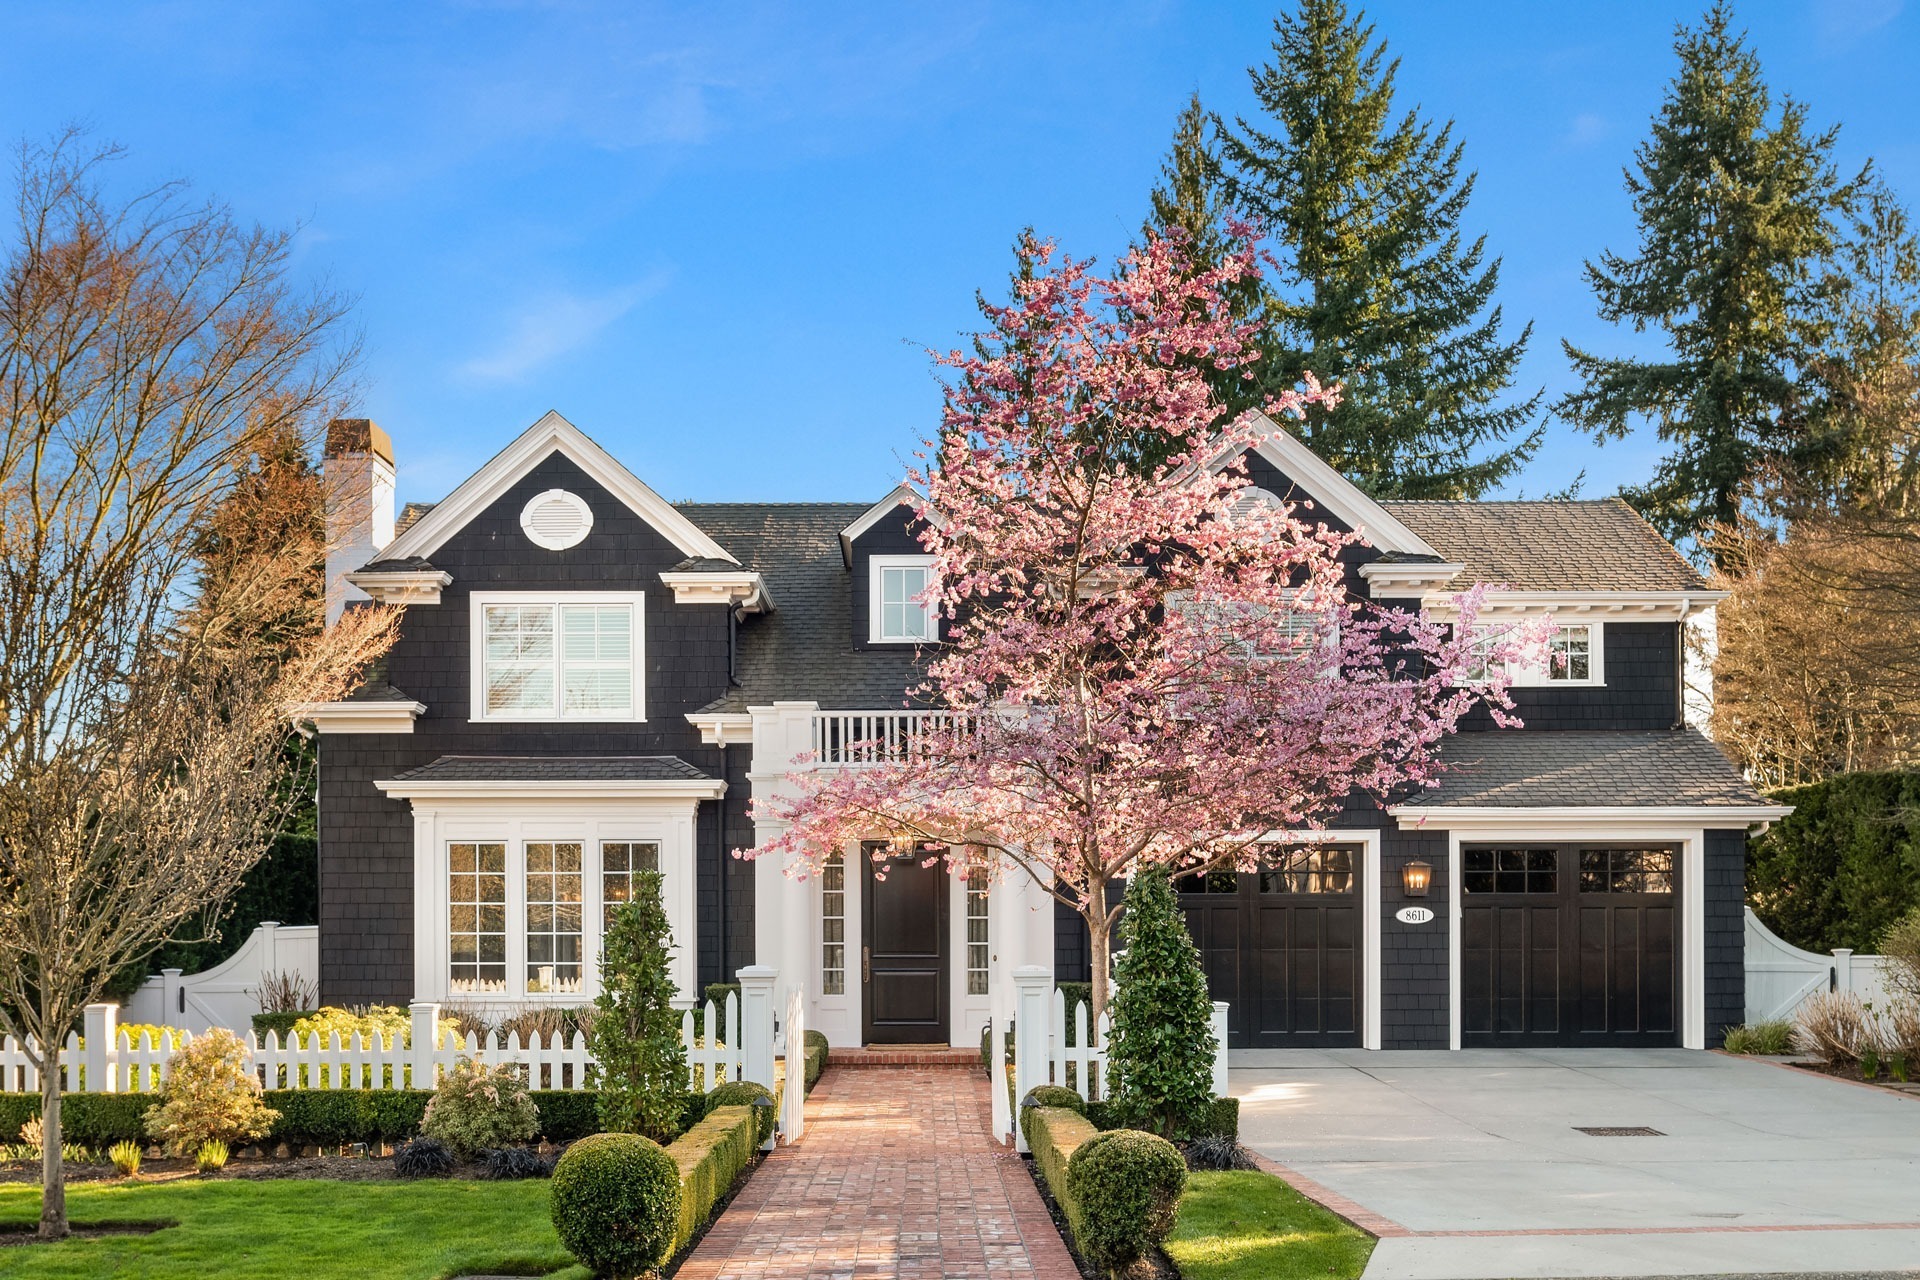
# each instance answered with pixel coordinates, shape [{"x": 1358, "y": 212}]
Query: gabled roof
[
  {"x": 1592, "y": 545},
  {"x": 903, "y": 495},
  {"x": 550, "y": 435},
  {"x": 1334, "y": 492}
]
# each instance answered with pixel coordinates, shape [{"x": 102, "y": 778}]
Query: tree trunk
[
  {"x": 1099, "y": 949},
  {"x": 53, "y": 1175}
]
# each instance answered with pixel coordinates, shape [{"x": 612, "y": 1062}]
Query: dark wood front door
[
  {"x": 1282, "y": 946},
  {"x": 1569, "y": 945},
  {"x": 904, "y": 952}
]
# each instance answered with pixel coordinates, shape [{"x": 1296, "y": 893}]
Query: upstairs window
[
  {"x": 1574, "y": 656},
  {"x": 575, "y": 658},
  {"x": 896, "y": 614}
]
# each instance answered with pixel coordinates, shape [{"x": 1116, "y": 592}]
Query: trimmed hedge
[
  {"x": 1128, "y": 1185},
  {"x": 87, "y": 1119},
  {"x": 744, "y": 1093},
  {"x": 711, "y": 1155},
  {"x": 1054, "y": 1095},
  {"x": 335, "y": 1117},
  {"x": 1054, "y": 1134},
  {"x": 1844, "y": 866},
  {"x": 816, "y": 1058},
  {"x": 1221, "y": 1120}
]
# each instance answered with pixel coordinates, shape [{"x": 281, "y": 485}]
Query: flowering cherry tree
[{"x": 1143, "y": 659}]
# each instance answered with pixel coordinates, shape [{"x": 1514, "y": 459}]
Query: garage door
[
  {"x": 1569, "y": 945},
  {"x": 1282, "y": 946}
]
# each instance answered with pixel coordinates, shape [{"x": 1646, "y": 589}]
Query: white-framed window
[
  {"x": 895, "y": 614},
  {"x": 1296, "y": 625},
  {"x": 620, "y": 860},
  {"x": 833, "y": 924},
  {"x": 979, "y": 946},
  {"x": 554, "y": 926},
  {"x": 1576, "y": 658},
  {"x": 571, "y": 657},
  {"x": 477, "y": 915}
]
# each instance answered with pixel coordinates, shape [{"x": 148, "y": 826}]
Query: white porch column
[{"x": 782, "y": 927}]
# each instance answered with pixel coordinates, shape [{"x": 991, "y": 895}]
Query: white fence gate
[
  {"x": 228, "y": 995},
  {"x": 1780, "y": 976},
  {"x": 1047, "y": 1058}
]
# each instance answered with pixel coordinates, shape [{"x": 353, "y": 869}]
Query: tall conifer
[
  {"x": 1736, "y": 200},
  {"x": 1376, "y": 287}
]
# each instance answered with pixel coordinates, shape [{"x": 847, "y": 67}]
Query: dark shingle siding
[
  {"x": 1522, "y": 768},
  {"x": 1415, "y": 991},
  {"x": 1726, "y": 931},
  {"x": 1602, "y": 545},
  {"x": 1641, "y": 664}
]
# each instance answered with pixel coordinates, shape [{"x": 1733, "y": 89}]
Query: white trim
[
  {"x": 744, "y": 588},
  {"x": 562, "y": 496},
  {"x": 1560, "y": 820},
  {"x": 1456, "y": 920},
  {"x": 1543, "y": 677},
  {"x": 1647, "y": 606},
  {"x": 722, "y": 728},
  {"x": 360, "y": 717},
  {"x": 876, "y": 567},
  {"x": 550, "y": 435},
  {"x": 1372, "y": 943},
  {"x": 477, "y": 654},
  {"x": 1333, "y": 492},
  {"x": 402, "y": 586},
  {"x": 903, "y": 494},
  {"x": 555, "y": 789},
  {"x": 1386, "y": 577}
]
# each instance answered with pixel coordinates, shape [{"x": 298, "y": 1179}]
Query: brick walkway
[{"x": 896, "y": 1177}]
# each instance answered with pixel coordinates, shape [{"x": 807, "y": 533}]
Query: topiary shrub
[
  {"x": 635, "y": 1036},
  {"x": 616, "y": 1203},
  {"x": 211, "y": 1094},
  {"x": 745, "y": 1093},
  {"x": 477, "y": 1107},
  {"x": 423, "y": 1158},
  {"x": 1127, "y": 1185},
  {"x": 1054, "y": 1095},
  {"x": 506, "y": 1163},
  {"x": 1160, "y": 1055}
]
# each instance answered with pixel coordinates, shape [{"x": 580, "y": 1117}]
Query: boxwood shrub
[
  {"x": 87, "y": 1119},
  {"x": 1127, "y": 1185},
  {"x": 616, "y": 1203},
  {"x": 710, "y": 1156},
  {"x": 745, "y": 1093}
]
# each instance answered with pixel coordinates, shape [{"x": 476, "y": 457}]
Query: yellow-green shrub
[
  {"x": 711, "y": 1155},
  {"x": 211, "y": 1093}
]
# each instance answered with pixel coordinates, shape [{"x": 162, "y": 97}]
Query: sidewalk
[{"x": 896, "y": 1177}]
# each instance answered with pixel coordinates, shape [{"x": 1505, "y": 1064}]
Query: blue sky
[{"x": 718, "y": 237}]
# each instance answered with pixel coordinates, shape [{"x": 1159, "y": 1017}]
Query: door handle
[{"x": 866, "y": 964}]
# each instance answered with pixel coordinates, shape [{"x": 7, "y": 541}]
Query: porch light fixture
[{"x": 1415, "y": 876}]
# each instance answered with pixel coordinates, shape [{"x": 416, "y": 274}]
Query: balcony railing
[{"x": 871, "y": 737}]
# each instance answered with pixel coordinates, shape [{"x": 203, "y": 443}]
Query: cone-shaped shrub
[{"x": 1160, "y": 1055}]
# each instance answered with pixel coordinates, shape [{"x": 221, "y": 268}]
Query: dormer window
[
  {"x": 1575, "y": 656},
  {"x": 898, "y": 614},
  {"x": 571, "y": 657}
]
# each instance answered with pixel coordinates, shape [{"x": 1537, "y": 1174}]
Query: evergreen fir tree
[
  {"x": 1375, "y": 288},
  {"x": 1160, "y": 1053},
  {"x": 1736, "y": 200},
  {"x": 635, "y": 1035}
]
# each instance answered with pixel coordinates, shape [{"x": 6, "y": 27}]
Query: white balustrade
[{"x": 870, "y": 737}]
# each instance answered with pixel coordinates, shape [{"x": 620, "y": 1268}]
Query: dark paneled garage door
[
  {"x": 1569, "y": 945},
  {"x": 1282, "y": 946}
]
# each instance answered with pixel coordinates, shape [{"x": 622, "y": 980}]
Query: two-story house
[{"x": 592, "y": 681}]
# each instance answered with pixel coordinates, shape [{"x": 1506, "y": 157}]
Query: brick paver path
[{"x": 896, "y": 1177}]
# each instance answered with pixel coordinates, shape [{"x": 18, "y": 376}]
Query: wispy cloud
[
  {"x": 553, "y": 324},
  {"x": 1587, "y": 128},
  {"x": 1842, "y": 24}
]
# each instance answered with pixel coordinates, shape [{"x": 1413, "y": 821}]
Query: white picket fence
[
  {"x": 738, "y": 1044},
  {"x": 1047, "y": 1058},
  {"x": 1780, "y": 976}
]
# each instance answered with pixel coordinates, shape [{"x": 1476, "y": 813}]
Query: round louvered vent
[{"x": 556, "y": 520}]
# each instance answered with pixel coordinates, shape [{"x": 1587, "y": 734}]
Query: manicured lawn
[
  {"x": 310, "y": 1229},
  {"x": 1238, "y": 1226}
]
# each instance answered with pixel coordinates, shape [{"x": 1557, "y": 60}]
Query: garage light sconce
[{"x": 1415, "y": 876}]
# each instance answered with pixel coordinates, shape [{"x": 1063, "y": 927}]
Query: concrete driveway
[{"x": 1472, "y": 1165}]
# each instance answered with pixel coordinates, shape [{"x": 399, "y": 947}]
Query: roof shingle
[
  {"x": 1602, "y": 545},
  {"x": 1528, "y": 769}
]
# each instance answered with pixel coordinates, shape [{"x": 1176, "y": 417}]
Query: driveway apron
[{"x": 896, "y": 1177}]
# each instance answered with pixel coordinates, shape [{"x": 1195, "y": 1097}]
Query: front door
[
  {"x": 1569, "y": 945},
  {"x": 904, "y": 956}
]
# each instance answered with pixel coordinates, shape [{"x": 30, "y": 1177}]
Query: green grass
[
  {"x": 315, "y": 1230},
  {"x": 1239, "y": 1226}
]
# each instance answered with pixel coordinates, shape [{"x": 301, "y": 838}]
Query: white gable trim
[
  {"x": 552, "y": 434},
  {"x": 903, "y": 495},
  {"x": 1332, "y": 491}
]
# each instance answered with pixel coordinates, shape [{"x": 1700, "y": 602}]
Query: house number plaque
[{"x": 1413, "y": 915}]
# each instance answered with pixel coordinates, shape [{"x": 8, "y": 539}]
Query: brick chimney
[{"x": 358, "y": 469}]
